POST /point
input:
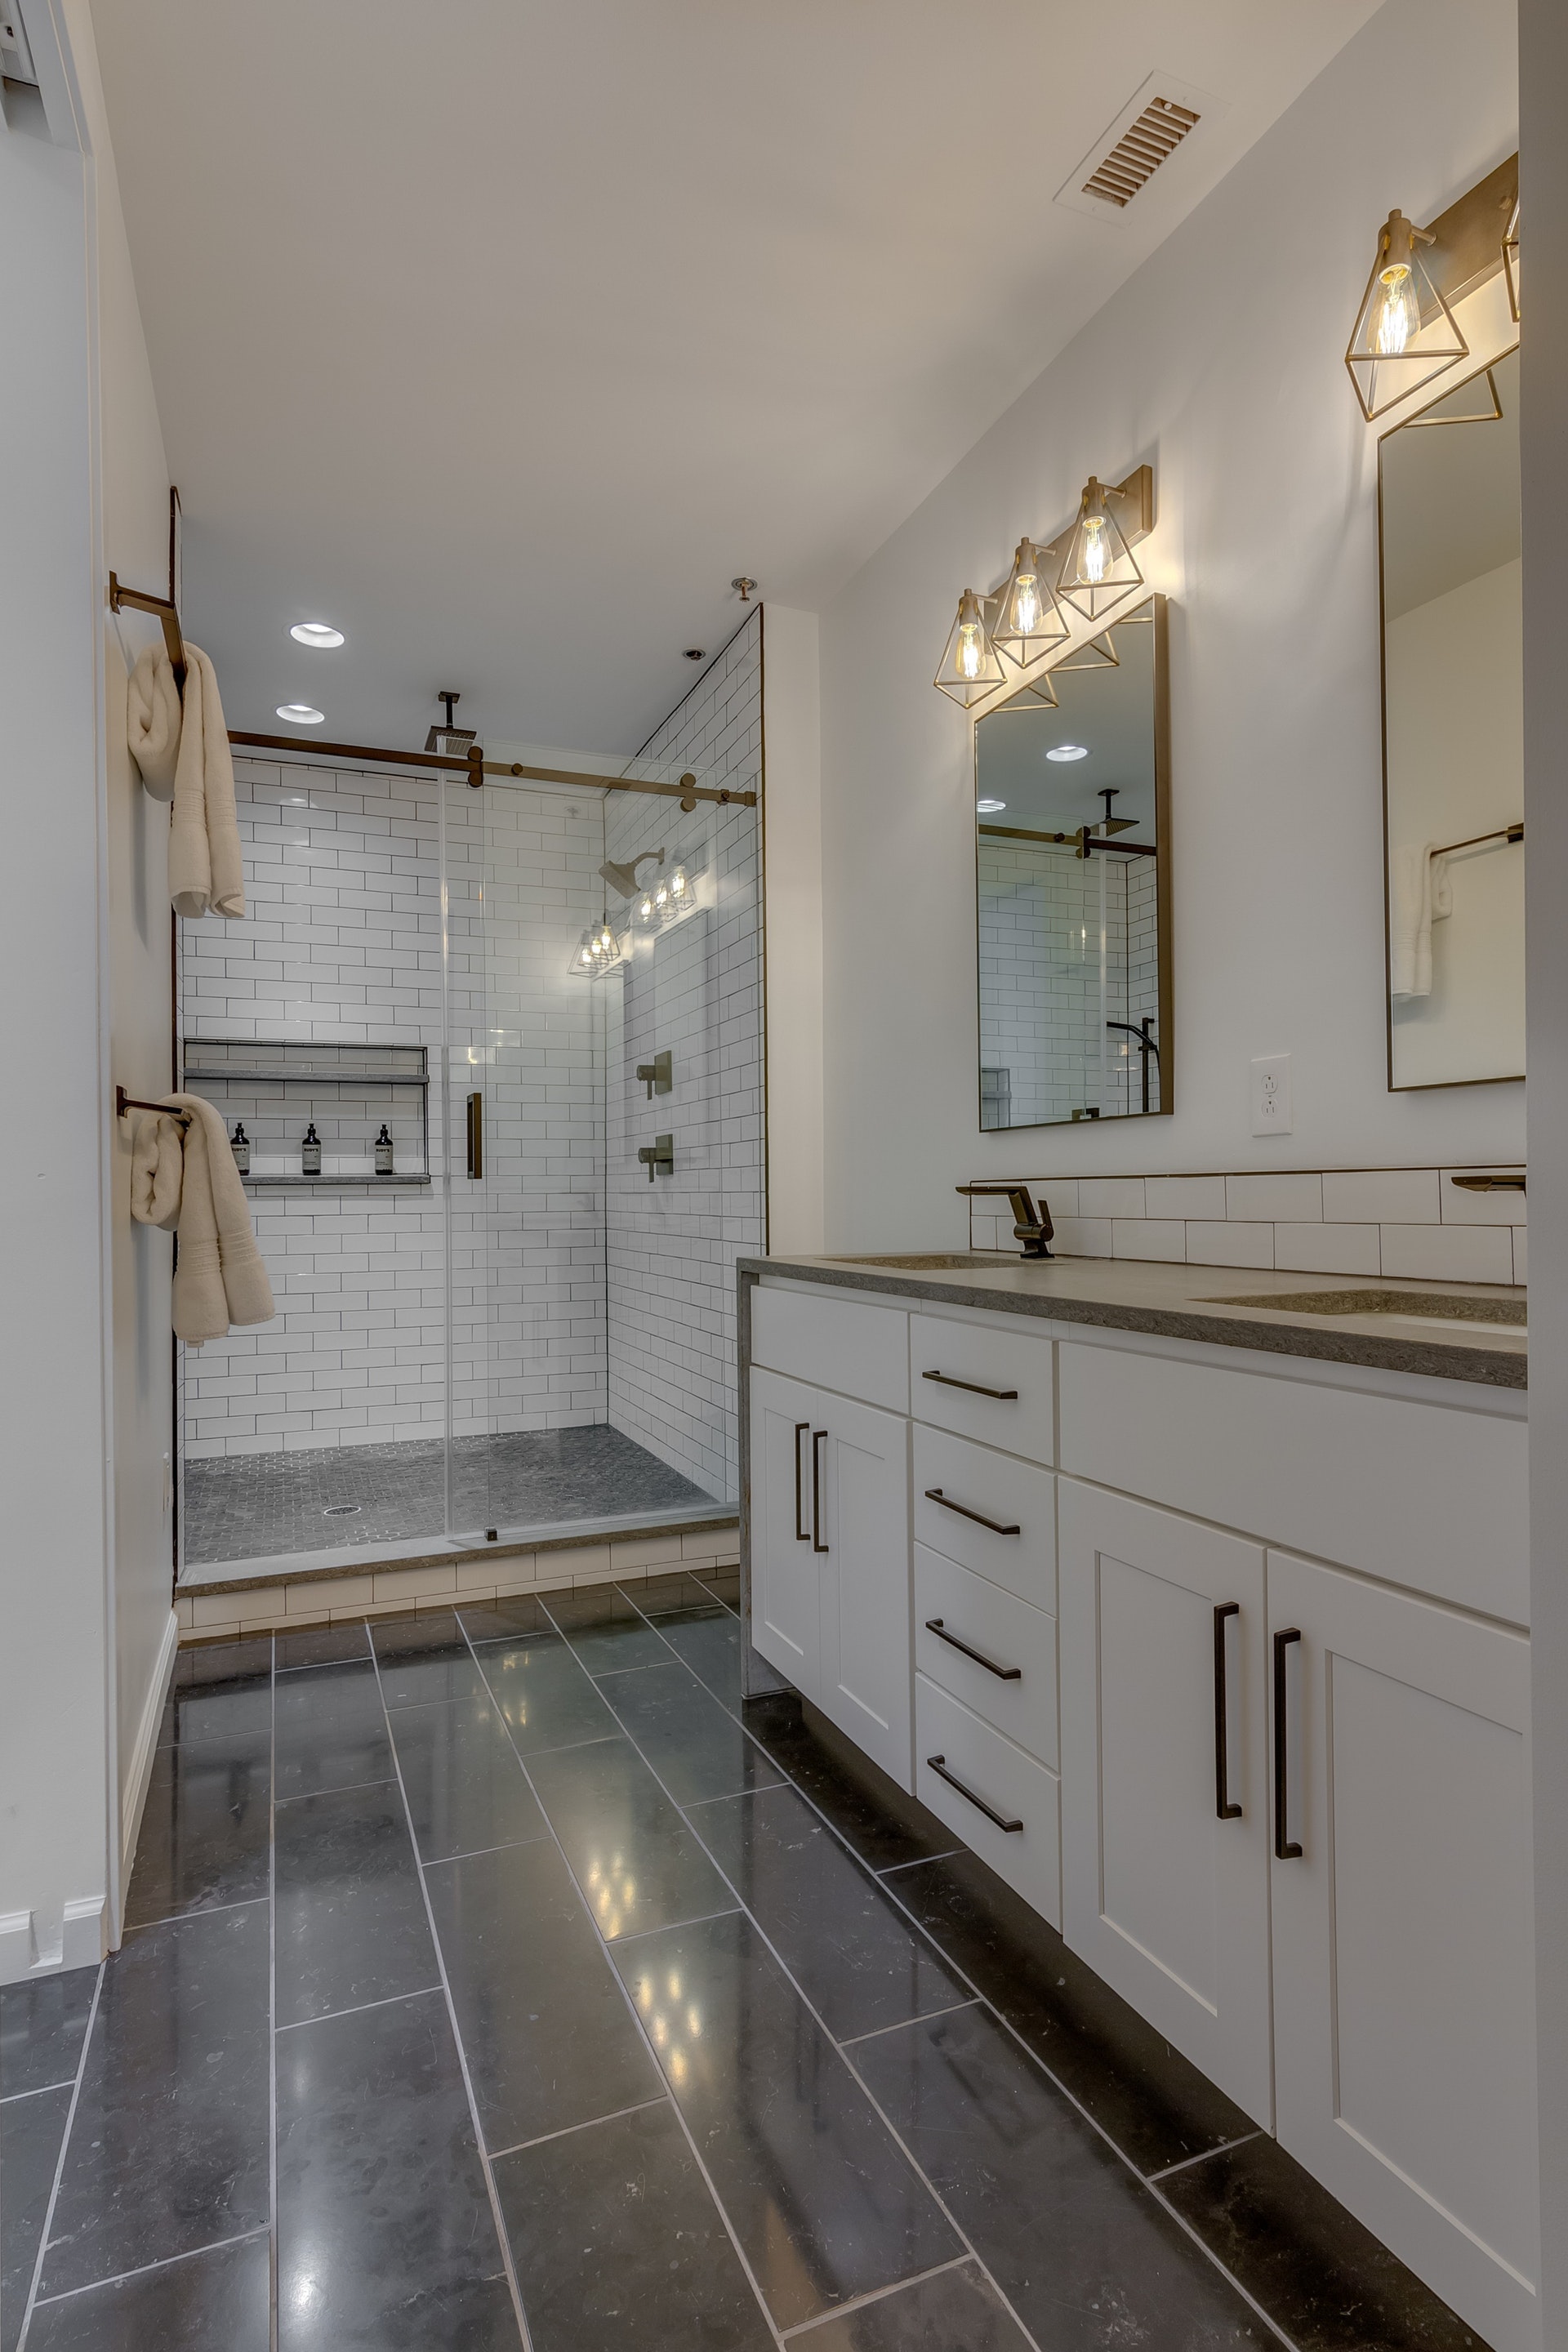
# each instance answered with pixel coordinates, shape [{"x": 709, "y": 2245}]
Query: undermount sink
[
  {"x": 934, "y": 1261},
  {"x": 1429, "y": 1309}
]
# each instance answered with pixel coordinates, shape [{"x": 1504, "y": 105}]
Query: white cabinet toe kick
[{"x": 1222, "y": 1664}]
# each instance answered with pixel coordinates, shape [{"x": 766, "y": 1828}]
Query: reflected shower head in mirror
[{"x": 622, "y": 879}]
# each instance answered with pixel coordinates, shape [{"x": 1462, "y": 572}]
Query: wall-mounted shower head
[{"x": 622, "y": 879}]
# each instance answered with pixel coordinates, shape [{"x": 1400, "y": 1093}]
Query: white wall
[
  {"x": 84, "y": 1573},
  {"x": 792, "y": 863},
  {"x": 1220, "y": 363}
]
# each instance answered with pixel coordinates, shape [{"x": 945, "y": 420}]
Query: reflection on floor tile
[
  {"x": 205, "y": 1827},
  {"x": 31, "y": 2130},
  {"x": 616, "y": 2241},
  {"x": 351, "y": 1916},
  {"x": 503, "y": 1621},
  {"x": 882, "y": 1826},
  {"x": 607, "y": 1631},
  {"x": 697, "y": 1751},
  {"x": 168, "y": 2150},
  {"x": 41, "y": 2030},
  {"x": 385, "y": 2239},
  {"x": 322, "y": 1645},
  {"x": 823, "y": 2201},
  {"x": 217, "y": 2298},
  {"x": 545, "y": 1697},
  {"x": 329, "y": 1731},
  {"x": 709, "y": 1640},
  {"x": 636, "y": 1858},
  {"x": 549, "y": 2038},
  {"x": 662, "y": 1596},
  {"x": 424, "y": 1659},
  {"x": 1081, "y": 2249},
  {"x": 1154, "y": 2105},
  {"x": 219, "y": 1688},
  {"x": 957, "y": 2308},
  {"x": 854, "y": 1956},
  {"x": 1321, "y": 2277},
  {"x": 464, "y": 1784}
]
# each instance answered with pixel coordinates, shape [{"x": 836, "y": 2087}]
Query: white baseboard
[
  {"x": 82, "y": 1943},
  {"x": 133, "y": 1795}
]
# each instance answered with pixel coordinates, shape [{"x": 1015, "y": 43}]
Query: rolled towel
[
  {"x": 152, "y": 721},
  {"x": 1420, "y": 893},
  {"x": 157, "y": 1172},
  {"x": 207, "y": 873}
]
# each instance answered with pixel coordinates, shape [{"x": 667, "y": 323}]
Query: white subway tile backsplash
[
  {"x": 1520, "y": 1255},
  {"x": 1183, "y": 1196},
  {"x": 1298, "y": 1197},
  {"x": 1449, "y": 1253},
  {"x": 1110, "y": 1196},
  {"x": 1211, "y": 1243},
  {"x": 1327, "y": 1249},
  {"x": 1360, "y": 1196},
  {"x": 1164, "y": 1238},
  {"x": 1083, "y": 1237}
]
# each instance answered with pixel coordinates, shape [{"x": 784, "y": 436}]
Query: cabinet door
[
  {"x": 1165, "y": 1782},
  {"x": 860, "y": 1460},
  {"x": 1403, "y": 1979},
  {"x": 785, "y": 1579}
]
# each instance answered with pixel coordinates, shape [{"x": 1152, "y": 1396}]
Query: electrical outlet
[{"x": 1271, "y": 1094}]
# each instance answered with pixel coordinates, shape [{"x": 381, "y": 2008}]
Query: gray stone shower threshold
[{"x": 535, "y": 1484}]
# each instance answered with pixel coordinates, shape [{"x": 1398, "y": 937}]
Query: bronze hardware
[
  {"x": 659, "y": 1153},
  {"x": 658, "y": 1075},
  {"x": 1489, "y": 1183}
]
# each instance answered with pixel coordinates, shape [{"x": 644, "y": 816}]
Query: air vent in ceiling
[
  {"x": 1140, "y": 150},
  {"x": 1155, "y": 122}
]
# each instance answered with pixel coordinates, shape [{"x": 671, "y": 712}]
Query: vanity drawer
[
  {"x": 1008, "y": 1400},
  {"x": 1013, "y": 1682},
  {"x": 978, "y": 1483},
  {"x": 996, "y": 1775},
  {"x": 839, "y": 1343}
]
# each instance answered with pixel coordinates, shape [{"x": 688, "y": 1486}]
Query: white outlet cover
[{"x": 1271, "y": 1094}]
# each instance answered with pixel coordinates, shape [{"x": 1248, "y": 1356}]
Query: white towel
[
  {"x": 206, "y": 873},
  {"x": 1420, "y": 893},
  {"x": 219, "y": 1278},
  {"x": 152, "y": 721}
]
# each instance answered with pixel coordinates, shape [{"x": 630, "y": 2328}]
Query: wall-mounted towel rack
[
  {"x": 166, "y": 609},
  {"x": 124, "y": 1102},
  {"x": 1501, "y": 832}
]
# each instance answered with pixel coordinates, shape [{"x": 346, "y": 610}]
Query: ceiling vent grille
[{"x": 1138, "y": 154}]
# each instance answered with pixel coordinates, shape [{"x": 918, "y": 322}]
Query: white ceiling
[{"x": 503, "y": 334}]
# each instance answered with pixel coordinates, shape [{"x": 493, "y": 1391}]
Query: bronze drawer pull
[
  {"x": 938, "y": 1766},
  {"x": 1003, "y": 1674},
  {"x": 1003, "y": 1396},
  {"x": 935, "y": 1494}
]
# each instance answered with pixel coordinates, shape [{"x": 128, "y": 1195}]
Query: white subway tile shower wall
[
  {"x": 1412, "y": 1223},
  {"x": 344, "y": 941},
  {"x": 694, "y": 991}
]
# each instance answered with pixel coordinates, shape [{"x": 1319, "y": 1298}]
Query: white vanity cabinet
[
  {"x": 1225, "y": 1671},
  {"x": 1405, "y": 2055}
]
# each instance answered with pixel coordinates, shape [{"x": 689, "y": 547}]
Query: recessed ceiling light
[
  {"x": 990, "y": 808},
  {"x": 1067, "y": 751},
  {"x": 321, "y": 634},
  {"x": 301, "y": 714}
]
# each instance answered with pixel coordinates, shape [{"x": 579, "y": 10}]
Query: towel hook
[{"x": 124, "y": 1102}]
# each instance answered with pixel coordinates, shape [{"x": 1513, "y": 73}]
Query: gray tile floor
[
  {"x": 498, "y": 1978},
  {"x": 255, "y": 1505}
]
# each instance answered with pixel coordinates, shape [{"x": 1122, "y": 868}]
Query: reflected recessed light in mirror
[
  {"x": 990, "y": 808},
  {"x": 319, "y": 634},
  {"x": 301, "y": 714},
  {"x": 1067, "y": 751}
]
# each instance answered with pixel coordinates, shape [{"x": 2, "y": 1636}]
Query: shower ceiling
[{"x": 506, "y": 335}]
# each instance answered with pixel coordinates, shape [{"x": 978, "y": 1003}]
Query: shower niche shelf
[{"x": 348, "y": 1092}]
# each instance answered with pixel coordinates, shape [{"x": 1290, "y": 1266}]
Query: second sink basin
[{"x": 1429, "y": 1308}]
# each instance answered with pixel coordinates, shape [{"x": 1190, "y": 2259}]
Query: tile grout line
[
  {"x": 667, "y": 1926},
  {"x": 632, "y": 2011},
  {"x": 329, "y": 2016},
  {"x": 876, "y": 2294},
  {"x": 60, "y": 2164},
  {"x": 497, "y": 2218},
  {"x": 272, "y": 2244},
  {"x": 1009, "y": 2028},
  {"x": 166, "y": 2262},
  {"x": 1224, "y": 2148},
  {"x": 638, "y": 2107},
  {"x": 814, "y": 2013},
  {"x": 197, "y": 1911},
  {"x": 915, "y": 1861},
  {"x": 924, "y": 2017},
  {"x": 38, "y": 2089}
]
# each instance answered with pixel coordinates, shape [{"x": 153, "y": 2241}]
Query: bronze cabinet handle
[
  {"x": 802, "y": 1534},
  {"x": 1286, "y": 1848},
  {"x": 935, "y": 1494},
  {"x": 1003, "y": 1396},
  {"x": 938, "y": 1766},
  {"x": 1225, "y": 1810},
  {"x": 1003, "y": 1674},
  {"x": 818, "y": 1440}
]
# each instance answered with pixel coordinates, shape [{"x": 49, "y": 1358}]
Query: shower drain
[{"x": 342, "y": 1510}]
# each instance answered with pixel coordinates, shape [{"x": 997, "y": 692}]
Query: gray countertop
[{"x": 1228, "y": 1306}]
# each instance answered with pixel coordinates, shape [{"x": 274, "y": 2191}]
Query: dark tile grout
[
  {"x": 811, "y": 2011},
  {"x": 60, "y": 2164}
]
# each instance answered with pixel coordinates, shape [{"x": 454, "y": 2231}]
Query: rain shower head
[{"x": 622, "y": 879}]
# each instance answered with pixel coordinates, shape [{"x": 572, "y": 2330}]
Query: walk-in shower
[{"x": 522, "y": 1327}]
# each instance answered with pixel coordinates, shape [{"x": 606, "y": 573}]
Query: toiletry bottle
[
  {"x": 240, "y": 1144},
  {"x": 311, "y": 1152},
  {"x": 384, "y": 1153}
]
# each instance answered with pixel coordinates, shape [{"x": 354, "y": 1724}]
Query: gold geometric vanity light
[
  {"x": 1098, "y": 569},
  {"x": 1404, "y": 333},
  {"x": 969, "y": 668},
  {"x": 1027, "y": 620},
  {"x": 1511, "y": 261}
]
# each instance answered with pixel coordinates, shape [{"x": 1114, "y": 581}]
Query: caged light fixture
[
  {"x": 598, "y": 950},
  {"x": 1027, "y": 620},
  {"x": 1404, "y": 333},
  {"x": 1098, "y": 569},
  {"x": 969, "y": 668}
]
